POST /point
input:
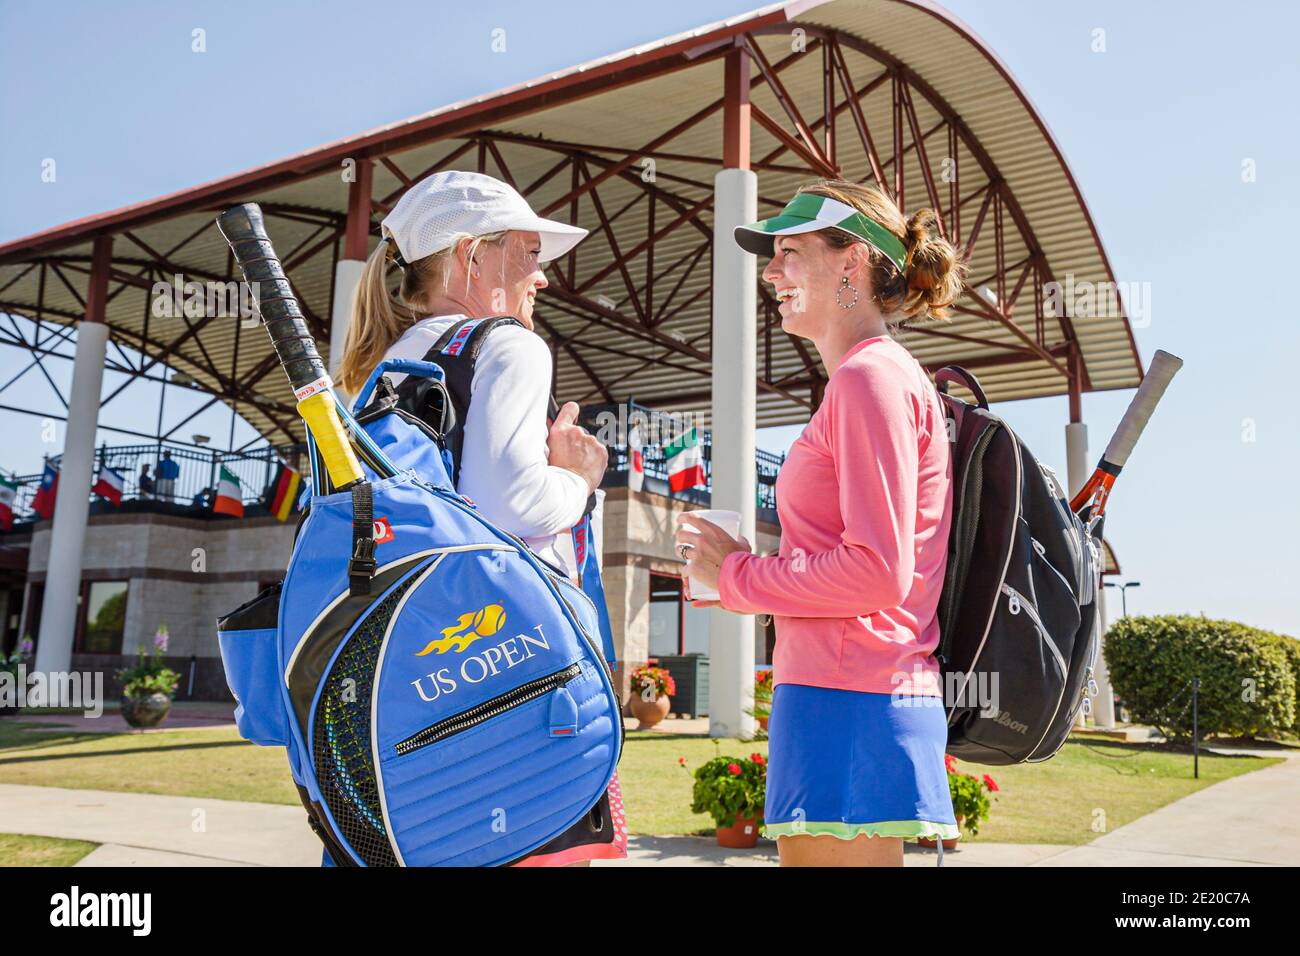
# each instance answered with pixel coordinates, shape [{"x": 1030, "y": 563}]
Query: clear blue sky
[{"x": 1156, "y": 129}]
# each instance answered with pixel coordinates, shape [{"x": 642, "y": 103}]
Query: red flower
[
  {"x": 950, "y": 763},
  {"x": 989, "y": 782},
  {"x": 734, "y": 769},
  {"x": 758, "y": 759},
  {"x": 681, "y": 761}
]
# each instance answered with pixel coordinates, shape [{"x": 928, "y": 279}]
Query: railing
[
  {"x": 199, "y": 471},
  {"x": 611, "y": 424}
]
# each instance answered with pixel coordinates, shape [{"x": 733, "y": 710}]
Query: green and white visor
[{"x": 807, "y": 212}]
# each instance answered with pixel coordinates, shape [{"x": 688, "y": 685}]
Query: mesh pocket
[{"x": 341, "y": 738}]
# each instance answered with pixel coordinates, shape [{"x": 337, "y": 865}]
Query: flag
[
  {"x": 109, "y": 484},
  {"x": 8, "y": 492},
  {"x": 685, "y": 466},
  {"x": 635, "y": 460},
  {"x": 43, "y": 501},
  {"x": 230, "y": 495},
  {"x": 280, "y": 500}
]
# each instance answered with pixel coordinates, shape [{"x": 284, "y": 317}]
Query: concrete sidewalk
[
  {"x": 136, "y": 829},
  {"x": 186, "y": 715},
  {"x": 1248, "y": 820}
]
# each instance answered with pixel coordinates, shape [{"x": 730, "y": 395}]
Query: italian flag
[
  {"x": 685, "y": 465},
  {"x": 8, "y": 491},
  {"x": 230, "y": 495},
  {"x": 635, "y": 461}
]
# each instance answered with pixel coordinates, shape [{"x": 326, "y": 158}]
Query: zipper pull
[
  {"x": 564, "y": 713},
  {"x": 1092, "y": 687},
  {"x": 1013, "y": 603}
]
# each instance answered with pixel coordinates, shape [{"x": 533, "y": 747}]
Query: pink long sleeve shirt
[{"x": 865, "y": 509}]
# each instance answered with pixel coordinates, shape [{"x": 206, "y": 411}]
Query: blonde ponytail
[{"x": 378, "y": 320}]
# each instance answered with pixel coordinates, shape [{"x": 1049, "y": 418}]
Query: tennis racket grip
[
  {"x": 1163, "y": 368},
  {"x": 245, "y": 230}
]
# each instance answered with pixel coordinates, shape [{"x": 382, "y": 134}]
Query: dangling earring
[{"x": 840, "y": 290}]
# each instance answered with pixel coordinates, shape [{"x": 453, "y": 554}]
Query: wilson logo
[
  {"x": 458, "y": 340},
  {"x": 1004, "y": 719},
  {"x": 383, "y": 531},
  {"x": 471, "y": 625}
]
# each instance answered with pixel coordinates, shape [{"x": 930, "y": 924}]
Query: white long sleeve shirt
[{"x": 504, "y": 465}]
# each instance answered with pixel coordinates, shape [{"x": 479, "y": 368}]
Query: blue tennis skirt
[{"x": 845, "y": 763}]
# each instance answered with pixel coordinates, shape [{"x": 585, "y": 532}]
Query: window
[
  {"x": 36, "y": 595},
  {"x": 695, "y": 625},
  {"x": 103, "y": 617},
  {"x": 676, "y": 625},
  {"x": 665, "y": 615}
]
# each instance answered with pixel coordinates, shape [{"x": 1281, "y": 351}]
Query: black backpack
[
  {"x": 443, "y": 406},
  {"x": 1018, "y": 611}
]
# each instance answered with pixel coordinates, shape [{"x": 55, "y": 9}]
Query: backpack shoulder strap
[{"x": 457, "y": 351}]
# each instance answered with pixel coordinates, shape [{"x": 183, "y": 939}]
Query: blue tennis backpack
[{"x": 444, "y": 695}]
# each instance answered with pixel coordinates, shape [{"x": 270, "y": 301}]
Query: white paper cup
[{"x": 728, "y": 521}]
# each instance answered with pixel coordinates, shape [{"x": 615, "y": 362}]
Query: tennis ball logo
[{"x": 468, "y": 628}]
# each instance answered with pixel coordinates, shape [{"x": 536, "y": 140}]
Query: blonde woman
[
  {"x": 469, "y": 247},
  {"x": 857, "y": 726}
]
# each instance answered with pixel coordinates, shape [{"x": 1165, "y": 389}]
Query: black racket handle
[{"x": 245, "y": 230}]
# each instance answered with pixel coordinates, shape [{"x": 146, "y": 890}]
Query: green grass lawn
[
  {"x": 1087, "y": 786},
  {"x": 657, "y": 791},
  {"x": 18, "y": 850},
  {"x": 201, "y": 763},
  {"x": 1092, "y": 787}
]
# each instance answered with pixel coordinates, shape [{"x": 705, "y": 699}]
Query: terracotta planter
[
  {"x": 741, "y": 835},
  {"x": 147, "y": 711},
  {"x": 650, "y": 712},
  {"x": 947, "y": 844},
  {"x": 762, "y": 722}
]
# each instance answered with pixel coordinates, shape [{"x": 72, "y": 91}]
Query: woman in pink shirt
[{"x": 858, "y": 728}]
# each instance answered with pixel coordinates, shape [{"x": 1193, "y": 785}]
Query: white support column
[
  {"x": 347, "y": 272},
  {"x": 72, "y": 505},
  {"x": 347, "y": 276},
  {"x": 1076, "y": 470},
  {"x": 1076, "y": 456},
  {"x": 1103, "y": 705},
  {"x": 735, "y": 344}
]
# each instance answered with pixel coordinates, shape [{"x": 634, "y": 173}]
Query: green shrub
[
  {"x": 1291, "y": 648},
  {"x": 1248, "y": 681}
]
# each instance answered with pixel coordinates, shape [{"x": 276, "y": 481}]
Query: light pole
[{"x": 1123, "y": 593}]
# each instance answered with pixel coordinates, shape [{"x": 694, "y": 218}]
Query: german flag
[{"x": 282, "y": 497}]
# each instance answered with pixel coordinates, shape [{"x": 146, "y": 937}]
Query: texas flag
[
  {"x": 8, "y": 492},
  {"x": 109, "y": 484},
  {"x": 43, "y": 500}
]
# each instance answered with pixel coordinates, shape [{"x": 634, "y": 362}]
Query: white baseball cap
[{"x": 435, "y": 210}]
